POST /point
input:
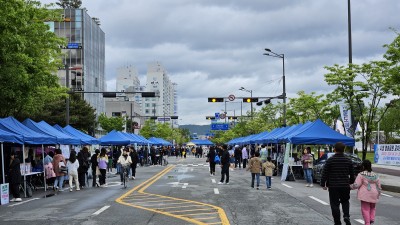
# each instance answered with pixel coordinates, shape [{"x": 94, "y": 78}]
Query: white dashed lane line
[
  {"x": 318, "y": 200},
  {"x": 213, "y": 181},
  {"x": 216, "y": 191},
  {"x": 360, "y": 221},
  {"x": 23, "y": 202},
  {"x": 286, "y": 185},
  {"x": 387, "y": 195},
  {"x": 101, "y": 210}
]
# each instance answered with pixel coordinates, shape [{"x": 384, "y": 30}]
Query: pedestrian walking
[
  {"x": 268, "y": 168},
  {"x": 135, "y": 159},
  {"x": 238, "y": 156},
  {"x": 102, "y": 162},
  {"x": 307, "y": 161},
  {"x": 263, "y": 153},
  {"x": 60, "y": 169},
  {"x": 211, "y": 160},
  {"x": 225, "y": 162},
  {"x": 73, "y": 165},
  {"x": 14, "y": 177},
  {"x": 245, "y": 156},
  {"x": 369, "y": 190},
  {"x": 94, "y": 163},
  {"x": 337, "y": 175},
  {"x": 83, "y": 166},
  {"x": 255, "y": 166}
]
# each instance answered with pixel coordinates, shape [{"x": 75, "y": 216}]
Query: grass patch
[{"x": 370, "y": 156}]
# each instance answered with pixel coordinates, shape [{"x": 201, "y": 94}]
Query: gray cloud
[{"x": 211, "y": 48}]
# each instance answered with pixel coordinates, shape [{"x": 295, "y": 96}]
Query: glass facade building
[{"x": 84, "y": 55}]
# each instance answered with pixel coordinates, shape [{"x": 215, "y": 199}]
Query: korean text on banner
[
  {"x": 387, "y": 154},
  {"x": 345, "y": 113}
]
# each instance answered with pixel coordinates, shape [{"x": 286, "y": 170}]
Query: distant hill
[{"x": 199, "y": 129}]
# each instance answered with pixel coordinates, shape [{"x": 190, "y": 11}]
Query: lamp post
[
  {"x": 282, "y": 56},
  {"x": 349, "y": 31},
  {"x": 251, "y": 96}
]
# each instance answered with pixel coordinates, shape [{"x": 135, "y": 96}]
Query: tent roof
[
  {"x": 6, "y": 136},
  {"x": 201, "y": 142},
  {"x": 115, "y": 138},
  {"x": 320, "y": 133},
  {"x": 85, "y": 138},
  {"x": 12, "y": 125},
  {"x": 44, "y": 128},
  {"x": 159, "y": 141}
]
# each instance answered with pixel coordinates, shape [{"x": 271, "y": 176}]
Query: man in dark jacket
[
  {"x": 238, "y": 156},
  {"x": 135, "y": 159},
  {"x": 94, "y": 163},
  {"x": 14, "y": 177},
  {"x": 225, "y": 162},
  {"x": 337, "y": 176}
]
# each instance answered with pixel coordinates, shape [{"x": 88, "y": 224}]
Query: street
[{"x": 184, "y": 193}]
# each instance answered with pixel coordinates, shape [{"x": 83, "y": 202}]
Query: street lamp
[
  {"x": 282, "y": 56},
  {"x": 251, "y": 95}
]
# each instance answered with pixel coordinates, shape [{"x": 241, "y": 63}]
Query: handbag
[
  {"x": 207, "y": 160},
  {"x": 62, "y": 167}
]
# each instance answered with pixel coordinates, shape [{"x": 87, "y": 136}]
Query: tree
[
  {"x": 111, "y": 123},
  {"x": 362, "y": 87},
  {"x": 29, "y": 57},
  {"x": 69, "y": 4},
  {"x": 82, "y": 115},
  {"x": 393, "y": 56}
]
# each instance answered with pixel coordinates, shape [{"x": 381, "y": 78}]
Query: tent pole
[
  {"x": 44, "y": 175},
  {"x": 23, "y": 160},
  {"x": 2, "y": 163}
]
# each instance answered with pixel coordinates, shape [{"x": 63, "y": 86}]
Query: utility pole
[{"x": 67, "y": 100}]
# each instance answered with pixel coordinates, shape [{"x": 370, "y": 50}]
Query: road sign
[
  {"x": 222, "y": 116},
  {"x": 217, "y": 115},
  {"x": 219, "y": 126},
  {"x": 163, "y": 118},
  {"x": 231, "y": 97}
]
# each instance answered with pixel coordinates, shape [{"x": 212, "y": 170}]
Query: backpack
[{"x": 217, "y": 159}]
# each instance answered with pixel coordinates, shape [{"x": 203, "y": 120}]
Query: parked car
[{"x": 320, "y": 163}]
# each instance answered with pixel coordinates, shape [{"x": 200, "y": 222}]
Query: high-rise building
[
  {"x": 84, "y": 55},
  {"x": 158, "y": 81}
]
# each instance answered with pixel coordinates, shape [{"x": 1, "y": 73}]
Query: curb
[{"x": 390, "y": 188}]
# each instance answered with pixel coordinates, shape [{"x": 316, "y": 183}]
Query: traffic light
[
  {"x": 174, "y": 117},
  {"x": 250, "y": 99},
  {"x": 148, "y": 94},
  {"x": 153, "y": 117},
  {"x": 267, "y": 101},
  {"x": 109, "y": 94},
  {"x": 210, "y": 117},
  {"x": 215, "y": 99},
  {"x": 233, "y": 118}
]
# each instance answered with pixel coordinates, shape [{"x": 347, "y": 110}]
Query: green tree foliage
[
  {"x": 69, "y": 4},
  {"x": 390, "y": 123},
  {"x": 82, "y": 115},
  {"x": 393, "y": 56},
  {"x": 111, "y": 123},
  {"x": 165, "y": 131},
  {"x": 29, "y": 56},
  {"x": 362, "y": 87}
]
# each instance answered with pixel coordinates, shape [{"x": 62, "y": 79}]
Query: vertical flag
[{"x": 345, "y": 113}]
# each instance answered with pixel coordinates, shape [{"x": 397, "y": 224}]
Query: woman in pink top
[{"x": 369, "y": 189}]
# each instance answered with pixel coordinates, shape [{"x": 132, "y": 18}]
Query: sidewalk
[{"x": 389, "y": 176}]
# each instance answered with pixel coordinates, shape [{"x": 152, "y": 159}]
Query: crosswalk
[{"x": 193, "y": 165}]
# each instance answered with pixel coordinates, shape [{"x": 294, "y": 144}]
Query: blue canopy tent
[
  {"x": 85, "y": 138},
  {"x": 12, "y": 125},
  {"x": 11, "y": 138},
  {"x": 135, "y": 139},
  {"x": 45, "y": 128},
  {"x": 253, "y": 139},
  {"x": 159, "y": 141},
  {"x": 115, "y": 138},
  {"x": 320, "y": 133},
  {"x": 144, "y": 140},
  {"x": 202, "y": 142},
  {"x": 263, "y": 138}
]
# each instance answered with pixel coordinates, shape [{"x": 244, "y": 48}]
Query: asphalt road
[{"x": 185, "y": 193}]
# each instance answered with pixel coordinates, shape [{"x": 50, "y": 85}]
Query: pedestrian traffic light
[
  {"x": 250, "y": 99},
  {"x": 215, "y": 99},
  {"x": 210, "y": 117}
]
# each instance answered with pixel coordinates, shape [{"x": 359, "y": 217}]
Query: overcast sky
[{"x": 211, "y": 48}]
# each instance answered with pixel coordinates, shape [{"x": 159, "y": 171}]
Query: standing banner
[
  {"x": 345, "y": 113},
  {"x": 4, "y": 192},
  {"x": 387, "y": 154},
  {"x": 285, "y": 162}
]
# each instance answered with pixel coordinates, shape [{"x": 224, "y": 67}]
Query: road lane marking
[
  {"x": 360, "y": 221},
  {"x": 216, "y": 191},
  {"x": 318, "y": 200},
  {"x": 185, "y": 185},
  {"x": 213, "y": 181},
  {"x": 128, "y": 199},
  {"x": 387, "y": 195},
  {"x": 286, "y": 185},
  {"x": 101, "y": 210},
  {"x": 23, "y": 202}
]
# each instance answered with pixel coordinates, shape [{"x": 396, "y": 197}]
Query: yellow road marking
[
  {"x": 143, "y": 186},
  {"x": 189, "y": 210},
  {"x": 198, "y": 214}
]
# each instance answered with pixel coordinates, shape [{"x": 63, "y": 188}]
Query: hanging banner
[
  {"x": 285, "y": 162},
  {"x": 387, "y": 154},
  {"x": 345, "y": 113}
]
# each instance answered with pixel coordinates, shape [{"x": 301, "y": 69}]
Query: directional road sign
[{"x": 219, "y": 126}]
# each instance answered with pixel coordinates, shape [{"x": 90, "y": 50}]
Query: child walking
[
  {"x": 369, "y": 190},
  {"x": 267, "y": 169}
]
